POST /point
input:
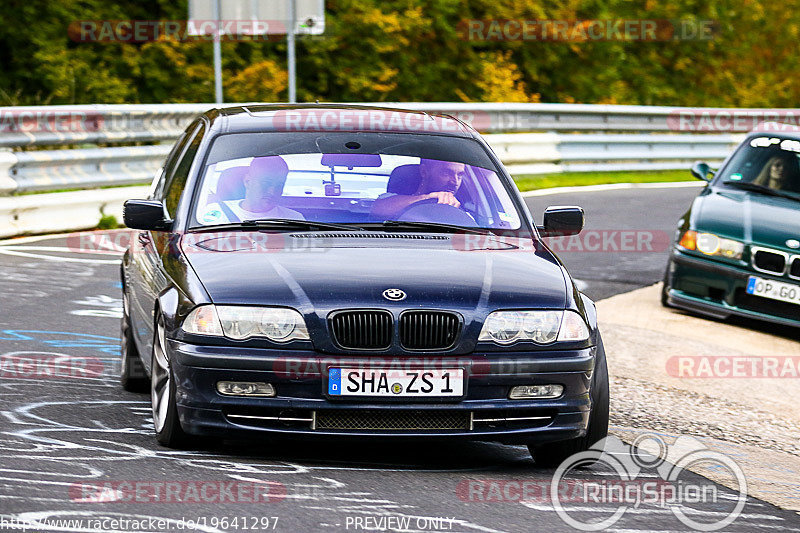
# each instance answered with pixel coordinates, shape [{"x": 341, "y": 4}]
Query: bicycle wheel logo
[{"x": 628, "y": 486}]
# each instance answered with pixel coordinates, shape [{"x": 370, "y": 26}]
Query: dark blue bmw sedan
[{"x": 354, "y": 272}]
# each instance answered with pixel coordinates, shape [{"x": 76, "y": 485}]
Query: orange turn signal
[{"x": 689, "y": 240}]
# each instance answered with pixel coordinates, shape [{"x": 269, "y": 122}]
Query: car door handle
[{"x": 144, "y": 237}]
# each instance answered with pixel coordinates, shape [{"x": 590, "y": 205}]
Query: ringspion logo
[{"x": 628, "y": 486}]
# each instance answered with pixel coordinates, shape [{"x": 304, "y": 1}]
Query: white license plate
[
  {"x": 775, "y": 290},
  {"x": 422, "y": 383}
]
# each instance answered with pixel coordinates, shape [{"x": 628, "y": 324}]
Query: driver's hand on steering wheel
[{"x": 444, "y": 197}]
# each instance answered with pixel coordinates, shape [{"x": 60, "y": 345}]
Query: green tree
[{"x": 410, "y": 50}]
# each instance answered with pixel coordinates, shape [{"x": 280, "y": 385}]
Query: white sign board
[{"x": 270, "y": 17}]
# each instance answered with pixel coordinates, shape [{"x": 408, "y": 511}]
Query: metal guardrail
[
  {"x": 532, "y": 153},
  {"x": 22, "y": 127},
  {"x": 58, "y": 125},
  {"x": 510, "y": 118},
  {"x": 536, "y": 153},
  {"x": 62, "y": 211},
  {"x": 44, "y": 170},
  {"x": 579, "y": 138}
]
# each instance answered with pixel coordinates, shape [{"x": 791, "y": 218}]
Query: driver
[
  {"x": 439, "y": 179},
  {"x": 781, "y": 173},
  {"x": 263, "y": 185}
]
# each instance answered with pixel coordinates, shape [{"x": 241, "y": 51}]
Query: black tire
[
  {"x": 665, "y": 287},
  {"x": 170, "y": 433},
  {"x": 552, "y": 454},
  {"x": 132, "y": 374}
]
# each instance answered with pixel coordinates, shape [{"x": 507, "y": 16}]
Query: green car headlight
[{"x": 710, "y": 244}]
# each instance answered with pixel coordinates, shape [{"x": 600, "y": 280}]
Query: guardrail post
[{"x": 7, "y": 183}]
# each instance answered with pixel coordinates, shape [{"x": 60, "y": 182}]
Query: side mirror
[
  {"x": 562, "y": 220},
  {"x": 145, "y": 215},
  {"x": 701, "y": 170}
]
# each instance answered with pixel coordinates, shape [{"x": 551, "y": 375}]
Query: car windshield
[
  {"x": 766, "y": 163},
  {"x": 352, "y": 178}
]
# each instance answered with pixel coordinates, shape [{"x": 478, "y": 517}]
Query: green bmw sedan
[{"x": 737, "y": 249}]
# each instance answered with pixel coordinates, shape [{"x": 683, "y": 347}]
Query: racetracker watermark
[
  {"x": 245, "y": 241},
  {"x": 675, "y": 488},
  {"x": 69, "y": 120},
  {"x": 579, "y": 31},
  {"x": 145, "y": 31},
  {"x": 732, "y": 367},
  {"x": 734, "y": 120},
  {"x": 191, "y": 492},
  {"x": 632, "y": 241},
  {"x": 590, "y": 241},
  {"x": 370, "y": 119},
  {"x": 191, "y": 243},
  {"x": 79, "y": 119},
  {"x": 392, "y": 367},
  {"x": 36, "y": 365}
]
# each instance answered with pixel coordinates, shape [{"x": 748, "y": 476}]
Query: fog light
[
  {"x": 245, "y": 388},
  {"x": 526, "y": 392}
]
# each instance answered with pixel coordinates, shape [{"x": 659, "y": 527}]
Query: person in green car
[{"x": 782, "y": 173}]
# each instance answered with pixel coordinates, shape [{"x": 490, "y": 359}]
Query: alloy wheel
[{"x": 160, "y": 379}]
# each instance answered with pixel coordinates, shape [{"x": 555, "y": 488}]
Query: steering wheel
[
  {"x": 430, "y": 210},
  {"x": 426, "y": 201}
]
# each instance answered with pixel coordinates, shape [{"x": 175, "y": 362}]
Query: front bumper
[
  {"x": 716, "y": 289},
  {"x": 301, "y": 405}
]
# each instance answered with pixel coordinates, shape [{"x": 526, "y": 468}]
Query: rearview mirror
[
  {"x": 351, "y": 161},
  {"x": 562, "y": 220},
  {"x": 145, "y": 215},
  {"x": 701, "y": 170}
]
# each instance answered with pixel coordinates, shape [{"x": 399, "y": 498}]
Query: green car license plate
[{"x": 774, "y": 290}]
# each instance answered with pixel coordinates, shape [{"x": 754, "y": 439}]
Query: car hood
[
  {"x": 318, "y": 274},
  {"x": 750, "y": 217}
]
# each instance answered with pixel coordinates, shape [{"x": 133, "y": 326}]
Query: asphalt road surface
[
  {"x": 63, "y": 433},
  {"x": 626, "y": 237}
]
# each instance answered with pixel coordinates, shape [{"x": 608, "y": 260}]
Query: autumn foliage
[{"x": 413, "y": 50}]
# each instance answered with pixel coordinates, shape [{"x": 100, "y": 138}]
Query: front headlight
[
  {"x": 541, "y": 327},
  {"x": 710, "y": 244},
  {"x": 278, "y": 324}
]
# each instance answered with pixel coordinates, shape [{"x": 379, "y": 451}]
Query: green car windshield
[{"x": 767, "y": 163}]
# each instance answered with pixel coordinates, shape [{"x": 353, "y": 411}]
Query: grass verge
[{"x": 532, "y": 182}]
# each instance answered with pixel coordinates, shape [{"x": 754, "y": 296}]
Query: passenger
[
  {"x": 781, "y": 173},
  {"x": 263, "y": 186},
  {"x": 439, "y": 179}
]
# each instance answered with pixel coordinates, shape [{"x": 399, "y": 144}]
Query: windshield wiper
[
  {"x": 452, "y": 228},
  {"x": 755, "y": 187},
  {"x": 268, "y": 223}
]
